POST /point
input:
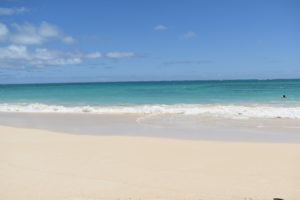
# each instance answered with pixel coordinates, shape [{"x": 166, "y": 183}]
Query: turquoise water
[{"x": 168, "y": 92}]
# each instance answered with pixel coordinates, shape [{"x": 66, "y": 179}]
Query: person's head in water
[{"x": 284, "y": 96}]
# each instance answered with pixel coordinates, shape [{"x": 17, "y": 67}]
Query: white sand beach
[
  {"x": 149, "y": 100},
  {"x": 44, "y": 165}
]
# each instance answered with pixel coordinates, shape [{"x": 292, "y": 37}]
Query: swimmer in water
[{"x": 284, "y": 96}]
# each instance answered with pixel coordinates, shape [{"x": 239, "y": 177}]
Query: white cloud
[
  {"x": 3, "y": 32},
  {"x": 12, "y": 11},
  {"x": 160, "y": 27},
  {"x": 119, "y": 54},
  {"x": 29, "y": 34},
  {"x": 94, "y": 55},
  {"x": 48, "y": 30},
  {"x": 189, "y": 35},
  {"x": 13, "y": 52},
  {"x": 26, "y": 34},
  {"x": 21, "y": 56},
  {"x": 68, "y": 40},
  {"x": 20, "y": 53}
]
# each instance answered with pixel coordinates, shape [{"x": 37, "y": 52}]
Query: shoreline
[
  {"x": 39, "y": 164},
  {"x": 161, "y": 126}
]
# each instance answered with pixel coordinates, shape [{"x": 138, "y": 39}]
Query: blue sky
[{"x": 117, "y": 40}]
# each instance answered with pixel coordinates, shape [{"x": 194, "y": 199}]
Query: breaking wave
[{"x": 213, "y": 110}]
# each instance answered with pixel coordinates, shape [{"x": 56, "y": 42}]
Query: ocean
[{"x": 229, "y": 98}]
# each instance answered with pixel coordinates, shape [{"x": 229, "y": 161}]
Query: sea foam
[{"x": 214, "y": 110}]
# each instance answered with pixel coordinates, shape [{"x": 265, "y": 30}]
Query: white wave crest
[{"x": 225, "y": 111}]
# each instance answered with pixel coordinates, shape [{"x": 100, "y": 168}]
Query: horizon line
[{"x": 137, "y": 81}]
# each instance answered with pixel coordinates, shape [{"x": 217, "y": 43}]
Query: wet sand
[{"x": 163, "y": 126}]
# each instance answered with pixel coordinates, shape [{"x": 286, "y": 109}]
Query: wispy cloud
[
  {"x": 30, "y": 34},
  {"x": 94, "y": 55},
  {"x": 259, "y": 41},
  {"x": 189, "y": 35},
  {"x": 21, "y": 51},
  {"x": 67, "y": 39},
  {"x": 12, "y": 11},
  {"x": 3, "y": 32},
  {"x": 160, "y": 27},
  {"x": 20, "y": 56},
  {"x": 188, "y": 62},
  {"x": 119, "y": 54}
]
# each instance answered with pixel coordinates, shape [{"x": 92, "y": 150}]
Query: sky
[{"x": 138, "y": 40}]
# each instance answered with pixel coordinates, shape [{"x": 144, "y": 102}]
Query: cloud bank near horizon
[
  {"x": 12, "y": 11},
  {"x": 21, "y": 49}
]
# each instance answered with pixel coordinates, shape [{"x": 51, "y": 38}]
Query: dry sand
[{"x": 43, "y": 165}]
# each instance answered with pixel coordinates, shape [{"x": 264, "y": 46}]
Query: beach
[
  {"x": 176, "y": 140},
  {"x": 52, "y": 164},
  {"x": 149, "y": 100}
]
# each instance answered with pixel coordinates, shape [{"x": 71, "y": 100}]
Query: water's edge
[{"x": 231, "y": 111}]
